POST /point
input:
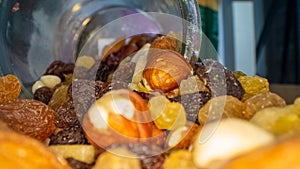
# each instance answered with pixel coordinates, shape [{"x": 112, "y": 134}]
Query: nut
[
  {"x": 50, "y": 80},
  {"x": 118, "y": 116},
  {"x": 165, "y": 70}
]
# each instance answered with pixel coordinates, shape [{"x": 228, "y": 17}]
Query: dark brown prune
[
  {"x": 151, "y": 156},
  {"x": 124, "y": 72},
  {"x": 60, "y": 68},
  {"x": 29, "y": 117},
  {"x": 218, "y": 79},
  {"x": 76, "y": 164},
  {"x": 112, "y": 85},
  {"x": 192, "y": 103},
  {"x": 43, "y": 94},
  {"x": 84, "y": 93},
  {"x": 69, "y": 135},
  {"x": 65, "y": 115}
]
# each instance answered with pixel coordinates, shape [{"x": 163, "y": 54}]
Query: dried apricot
[
  {"x": 10, "y": 88},
  {"x": 29, "y": 117}
]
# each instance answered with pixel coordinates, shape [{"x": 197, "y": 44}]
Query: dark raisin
[
  {"x": 192, "y": 103},
  {"x": 60, "y": 69},
  {"x": 112, "y": 85},
  {"x": 65, "y": 115},
  {"x": 69, "y": 135},
  {"x": 43, "y": 94},
  {"x": 218, "y": 79},
  {"x": 150, "y": 155},
  {"x": 84, "y": 93},
  {"x": 76, "y": 164},
  {"x": 124, "y": 72}
]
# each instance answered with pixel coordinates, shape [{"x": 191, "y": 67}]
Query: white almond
[
  {"x": 38, "y": 84},
  {"x": 50, "y": 80}
]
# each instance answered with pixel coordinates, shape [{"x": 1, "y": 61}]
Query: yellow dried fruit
[
  {"x": 166, "y": 115},
  {"x": 59, "y": 96},
  {"x": 221, "y": 107},
  {"x": 181, "y": 159},
  {"x": 10, "y": 88},
  {"x": 261, "y": 101},
  {"x": 253, "y": 85}
]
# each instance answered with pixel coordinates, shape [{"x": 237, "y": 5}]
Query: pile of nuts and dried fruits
[{"x": 144, "y": 106}]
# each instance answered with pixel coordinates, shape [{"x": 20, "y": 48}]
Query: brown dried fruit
[
  {"x": 65, "y": 115},
  {"x": 43, "y": 94},
  {"x": 221, "y": 107},
  {"x": 29, "y": 117},
  {"x": 261, "y": 101},
  {"x": 165, "y": 42},
  {"x": 165, "y": 69},
  {"x": 10, "y": 88}
]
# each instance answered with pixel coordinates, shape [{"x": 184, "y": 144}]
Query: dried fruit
[
  {"x": 165, "y": 70},
  {"x": 282, "y": 121},
  {"x": 218, "y": 79},
  {"x": 117, "y": 158},
  {"x": 43, "y": 94},
  {"x": 182, "y": 137},
  {"x": 261, "y": 101},
  {"x": 220, "y": 141},
  {"x": 76, "y": 164},
  {"x": 221, "y": 107},
  {"x": 10, "y": 88},
  {"x": 166, "y": 115},
  {"x": 20, "y": 151},
  {"x": 84, "y": 93},
  {"x": 151, "y": 156},
  {"x": 283, "y": 154},
  {"x": 69, "y": 135},
  {"x": 38, "y": 84},
  {"x": 192, "y": 103},
  {"x": 192, "y": 85},
  {"x": 29, "y": 117},
  {"x": 166, "y": 43},
  {"x": 118, "y": 116},
  {"x": 84, "y": 153},
  {"x": 59, "y": 96},
  {"x": 253, "y": 85},
  {"x": 65, "y": 115},
  {"x": 60, "y": 68},
  {"x": 181, "y": 159}
]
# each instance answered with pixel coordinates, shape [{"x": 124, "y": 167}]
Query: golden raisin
[
  {"x": 221, "y": 107},
  {"x": 253, "y": 85},
  {"x": 10, "y": 88},
  {"x": 29, "y": 117},
  {"x": 261, "y": 101}
]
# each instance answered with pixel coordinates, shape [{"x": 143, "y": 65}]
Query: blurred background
[{"x": 258, "y": 37}]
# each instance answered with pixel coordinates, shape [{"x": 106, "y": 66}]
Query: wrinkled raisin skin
[
  {"x": 43, "y": 94},
  {"x": 218, "y": 79},
  {"x": 69, "y": 135},
  {"x": 65, "y": 115},
  {"x": 192, "y": 103},
  {"x": 29, "y": 117},
  {"x": 10, "y": 88}
]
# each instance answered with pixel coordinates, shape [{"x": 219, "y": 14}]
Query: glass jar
[{"x": 35, "y": 33}]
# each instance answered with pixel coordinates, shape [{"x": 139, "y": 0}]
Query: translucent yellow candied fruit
[
  {"x": 166, "y": 115},
  {"x": 253, "y": 85}
]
